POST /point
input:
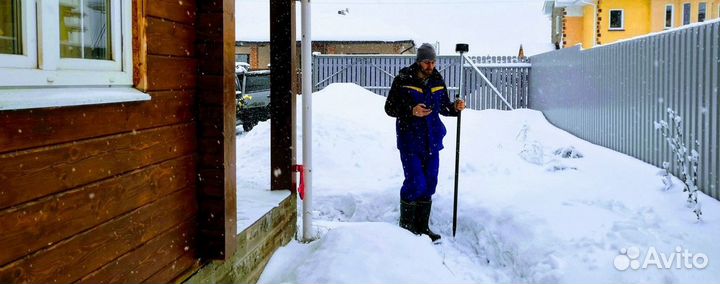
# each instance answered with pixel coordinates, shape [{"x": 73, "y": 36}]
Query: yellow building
[{"x": 595, "y": 22}]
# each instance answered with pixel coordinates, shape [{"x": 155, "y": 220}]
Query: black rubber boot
[
  {"x": 408, "y": 212},
  {"x": 422, "y": 219}
]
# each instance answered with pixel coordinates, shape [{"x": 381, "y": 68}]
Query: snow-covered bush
[
  {"x": 666, "y": 177},
  {"x": 530, "y": 151},
  {"x": 686, "y": 160},
  {"x": 568, "y": 152}
]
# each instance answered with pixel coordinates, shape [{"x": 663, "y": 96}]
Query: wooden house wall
[{"x": 107, "y": 193}]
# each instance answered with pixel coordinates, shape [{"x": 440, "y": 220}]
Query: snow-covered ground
[{"x": 524, "y": 213}]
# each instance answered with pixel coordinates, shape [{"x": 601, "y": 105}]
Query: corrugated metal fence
[
  {"x": 611, "y": 95},
  {"x": 376, "y": 72}
]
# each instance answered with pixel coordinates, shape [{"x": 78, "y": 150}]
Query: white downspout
[{"x": 307, "y": 118}]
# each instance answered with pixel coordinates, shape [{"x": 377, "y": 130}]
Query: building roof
[
  {"x": 549, "y": 5},
  {"x": 494, "y": 27},
  {"x": 407, "y": 41},
  {"x": 328, "y": 24}
]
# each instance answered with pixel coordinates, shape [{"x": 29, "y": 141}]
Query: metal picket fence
[{"x": 510, "y": 75}]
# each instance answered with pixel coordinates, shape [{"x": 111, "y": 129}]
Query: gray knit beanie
[{"x": 425, "y": 52}]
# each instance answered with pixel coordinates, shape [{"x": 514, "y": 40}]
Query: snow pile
[
  {"x": 533, "y": 217},
  {"x": 354, "y": 253}
]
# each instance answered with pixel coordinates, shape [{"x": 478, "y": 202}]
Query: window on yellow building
[
  {"x": 686, "y": 13},
  {"x": 702, "y": 11},
  {"x": 669, "y": 15},
  {"x": 617, "y": 20},
  {"x": 10, "y": 41}
]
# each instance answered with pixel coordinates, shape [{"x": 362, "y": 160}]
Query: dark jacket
[{"x": 419, "y": 134}]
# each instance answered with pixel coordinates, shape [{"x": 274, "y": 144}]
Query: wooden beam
[
  {"x": 281, "y": 42},
  {"x": 139, "y": 45},
  {"x": 296, "y": 89},
  {"x": 215, "y": 27}
]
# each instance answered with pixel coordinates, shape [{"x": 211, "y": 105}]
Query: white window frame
[
  {"x": 689, "y": 21},
  {"x": 672, "y": 16},
  {"x": 622, "y": 20},
  {"x": 47, "y": 68},
  {"x": 28, "y": 58}
]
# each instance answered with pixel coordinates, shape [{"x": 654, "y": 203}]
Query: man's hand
[
  {"x": 459, "y": 105},
  {"x": 420, "y": 110}
]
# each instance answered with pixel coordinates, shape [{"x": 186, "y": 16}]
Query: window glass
[
  {"x": 85, "y": 29},
  {"x": 668, "y": 16},
  {"x": 257, "y": 83},
  {"x": 616, "y": 19},
  {"x": 702, "y": 10},
  {"x": 10, "y": 41},
  {"x": 240, "y": 57},
  {"x": 686, "y": 13}
]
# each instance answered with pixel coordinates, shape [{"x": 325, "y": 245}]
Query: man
[{"x": 417, "y": 96}]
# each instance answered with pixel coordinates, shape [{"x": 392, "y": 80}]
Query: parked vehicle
[{"x": 253, "y": 97}]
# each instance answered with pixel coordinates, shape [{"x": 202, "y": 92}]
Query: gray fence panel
[
  {"x": 376, "y": 73},
  {"x": 611, "y": 95}
]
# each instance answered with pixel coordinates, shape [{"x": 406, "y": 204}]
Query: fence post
[{"x": 315, "y": 68}]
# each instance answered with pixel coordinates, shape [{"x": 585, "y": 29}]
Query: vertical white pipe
[{"x": 307, "y": 118}]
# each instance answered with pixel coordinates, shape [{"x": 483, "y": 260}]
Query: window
[
  {"x": 242, "y": 58},
  {"x": 702, "y": 11},
  {"x": 10, "y": 28},
  {"x": 669, "y": 16},
  {"x": 686, "y": 13},
  {"x": 617, "y": 20},
  {"x": 16, "y": 22},
  {"x": 65, "y": 43},
  {"x": 84, "y": 29}
]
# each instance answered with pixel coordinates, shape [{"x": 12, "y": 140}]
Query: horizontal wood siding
[
  {"x": 43, "y": 127},
  {"x": 142, "y": 263},
  {"x": 108, "y": 193},
  {"x": 54, "y": 169},
  {"x": 36, "y": 224},
  {"x": 69, "y": 260}
]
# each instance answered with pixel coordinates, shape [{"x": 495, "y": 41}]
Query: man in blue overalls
[{"x": 417, "y": 97}]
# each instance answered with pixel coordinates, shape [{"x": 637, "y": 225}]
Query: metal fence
[
  {"x": 611, "y": 95},
  {"x": 376, "y": 72}
]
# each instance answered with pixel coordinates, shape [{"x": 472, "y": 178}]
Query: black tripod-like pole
[{"x": 461, "y": 48}]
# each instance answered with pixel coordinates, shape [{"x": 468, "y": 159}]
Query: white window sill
[{"x": 16, "y": 99}]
